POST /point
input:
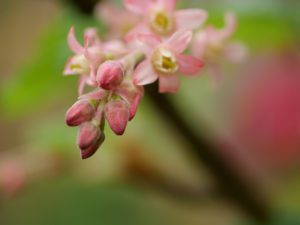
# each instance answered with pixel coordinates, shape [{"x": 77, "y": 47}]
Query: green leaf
[{"x": 40, "y": 81}]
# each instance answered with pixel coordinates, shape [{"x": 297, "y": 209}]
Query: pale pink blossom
[
  {"x": 214, "y": 45},
  {"x": 165, "y": 61},
  {"x": 119, "y": 21},
  {"x": 161, "y": 18},
  {"x": 87, "y": 58}
]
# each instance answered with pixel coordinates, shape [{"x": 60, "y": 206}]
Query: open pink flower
[
  {"x": 213, "y": 45},
  {"x": 165, "y": 60},
  {"x": 161, "y": 18},
  {"x": 119, "y": 25},
  {"x": 87, "y": 58}
]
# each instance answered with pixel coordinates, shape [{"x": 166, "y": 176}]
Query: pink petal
[
  {"x": 81, "y": 85},
  {"x": 199, "y": 45},
  {"x": 93, "y": 74},
  {"x": 91, "y": 37},
  {"x": 188, "y": 65},
  {"x": 117, "y": 115},
  {"x": 190, "y": 18},
  {"x": 137, "y": 6},
  {"x": 115, "y": 48},
  {"x": 140, "y": 28},
  {"x": 135, "y": 103},
  {"x": 235, "y": 52},
  {"x": 230, "y": 26},
  {"x": 94, "y": 55},
  {"x": 179, "y": 41},
  {"x": 132, "y": 94},
  {"x": 73, "y": 42},
  {"x": 68, "y": 70},
  {"x": 144, "y": 74},
  {"x": 168, "y": 84},
  {"x": 152, "y": 41},
  {"x": 168, "y": 4}
]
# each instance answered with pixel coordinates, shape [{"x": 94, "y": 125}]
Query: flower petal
[
  {"x": 168, "y": 84},
  {"x": 179, "y": 41},
  {"x": 150, "y": 40},
  {"x": 94, "y": 55},
  {"x": 68, "y": 70},
  {"x": 140, "y": 28},
  {"x": 132, "y": 94},
  {"x": 188, "y": 65},
  {"x": 137, "y": 6},
  {"x": 91, "y": 37},
  {"x": 168, "y": 4},
  {"x": 190, "y": 18},
  {"x": 74, "y": 45},
  {"x": 81, "y": 85},
  {"x": 235, "y": 52},
  {"x": 144, "y": 74},
  {"x": 114, "y": 48},
  {"x": 200, "y": 45},
  {"x": 230, "y": 26}
]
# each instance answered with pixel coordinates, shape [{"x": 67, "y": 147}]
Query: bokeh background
[{"x": 149, "y": 175}]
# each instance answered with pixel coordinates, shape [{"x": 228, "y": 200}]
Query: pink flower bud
[
  {"x": 91, "y": 150},
  {"x": 88, "y": 135},
  {"x": 117, "y": 115},
  {"x": 110, "y": 75},
  {"x": 80, "y": 112}
]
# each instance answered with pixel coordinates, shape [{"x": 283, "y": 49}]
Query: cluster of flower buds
[{"x": 148, "y": 44}]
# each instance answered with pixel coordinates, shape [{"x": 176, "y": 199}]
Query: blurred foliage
[
  {"x": 40, "y": 80},
  {"x": 70, "y": 202}
]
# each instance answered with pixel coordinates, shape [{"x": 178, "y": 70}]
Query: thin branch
[{"x": 230, "y": 181}]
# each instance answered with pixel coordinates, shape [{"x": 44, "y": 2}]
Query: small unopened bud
[
  {"x": 110, "y": 75},
  {"x": 88, "y": 135},
  {"x": 91, "y": 150},
  {"x": 117, "y": 115},
  {"x": 80, "y": 112}
]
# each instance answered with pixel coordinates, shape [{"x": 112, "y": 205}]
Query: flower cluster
[{"x": 149, "y": 41}]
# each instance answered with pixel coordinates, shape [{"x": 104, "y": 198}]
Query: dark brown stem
[
  {"x": 229, "y": 180},
  {"x": 84, "y": 6}
]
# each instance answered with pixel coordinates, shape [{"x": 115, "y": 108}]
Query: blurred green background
[{"x": 146, "y": 176}]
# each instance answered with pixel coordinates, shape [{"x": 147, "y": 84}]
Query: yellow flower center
[
  {"x": 214, "y": 51},
  {"x": 80, "y": 65},
  {"x": 164, "y": 61},
  {"x": 161, "y": 22}
]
